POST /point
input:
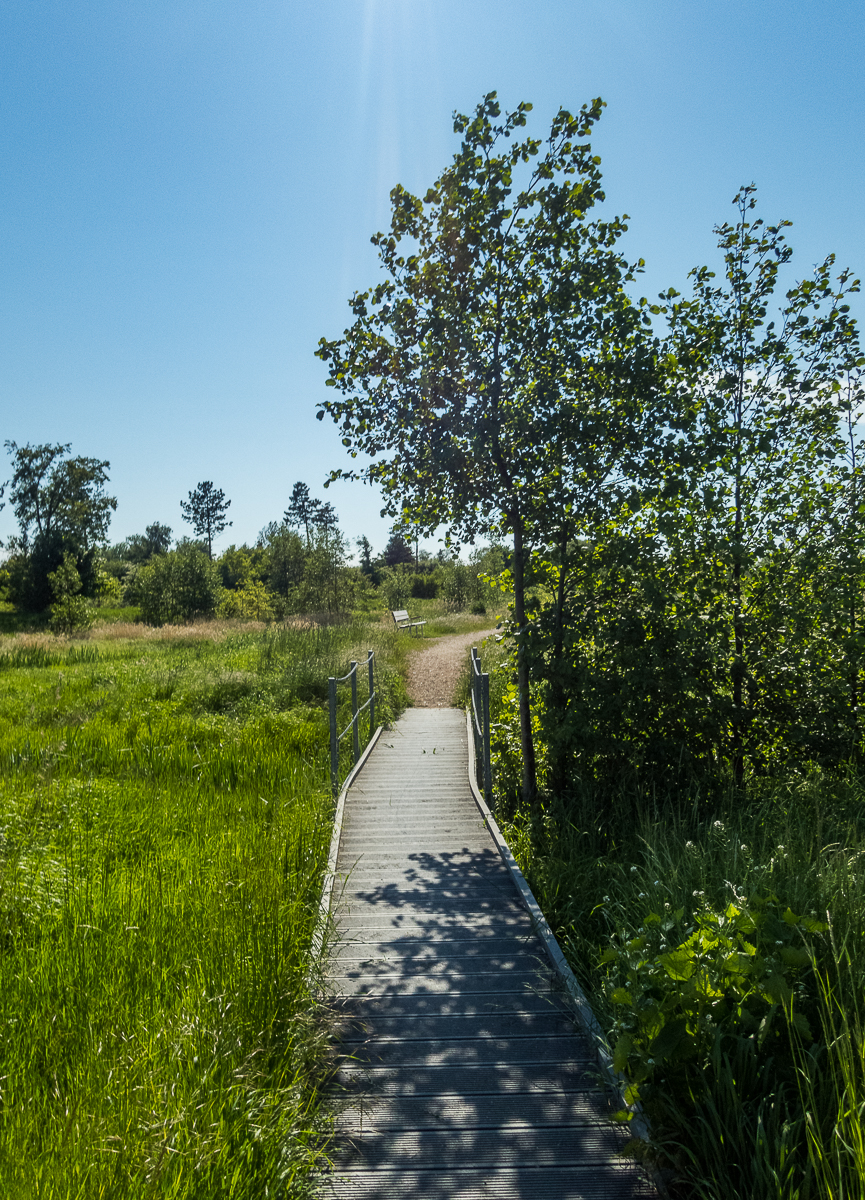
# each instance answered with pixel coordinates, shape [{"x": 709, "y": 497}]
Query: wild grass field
[{"x": 165, "y": 814}]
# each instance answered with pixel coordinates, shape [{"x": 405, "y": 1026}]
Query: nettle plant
[{"x": 739, "y": 973}]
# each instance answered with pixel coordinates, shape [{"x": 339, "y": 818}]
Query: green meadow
[{"x": 165, "y": 815}]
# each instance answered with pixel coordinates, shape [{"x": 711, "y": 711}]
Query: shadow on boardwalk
[{"x": 466, "y": 1074}]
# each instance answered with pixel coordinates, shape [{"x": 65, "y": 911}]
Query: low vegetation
[{"x": 165, "y": 812}]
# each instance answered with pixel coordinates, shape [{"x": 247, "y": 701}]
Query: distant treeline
[{"x": 60, "y": 562}]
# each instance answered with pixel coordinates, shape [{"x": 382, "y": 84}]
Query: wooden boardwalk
[{"x": 468, "y": 1076}]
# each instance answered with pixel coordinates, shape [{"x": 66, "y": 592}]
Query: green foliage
[
  {"x": 70, "y": 612},
  {"x": 166, "y": 814},
  {"x": 834, "y": 1126},
  {"x": 747, "y": 494},
  {"x": 499, "y": 378},
  {"x": 52, "y": 493},
  {"x": 205, "y": 511},
  {"x": 730, "y": 1103},
  {"x": 178, "y": 586},
  {"x": 109, "y": 590},
  {"x": 706, "y": 619},
  {"x": 727, "y": 974},
  {"x": 284, "y": 559},
  {"x": 251, "y": 601},
  {"x": 455, "y": 584},
  {"x": 396, "y": 586},
  {"x": 424, "y": 586},
  {"x": 240, "y": 565},
  {"x": 306, "y": 576},
  {"x": 61, "y": 508},
  {"x": 141, "y": 547},
  {"x": 397, "y": 551}
]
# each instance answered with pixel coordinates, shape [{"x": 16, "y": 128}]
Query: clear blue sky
[{"x": 189, "y": 188}]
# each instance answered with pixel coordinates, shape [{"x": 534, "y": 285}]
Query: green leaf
[
  {"x": 632, "y": 1094},
  {"x": 669, "y": 1039},
  {"x": 776, "y": 989},
  {"x": 679, "y": 964},
  {"x": 623, "y": 1049}
]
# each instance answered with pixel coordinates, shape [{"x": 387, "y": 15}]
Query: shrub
[
  {"x": 396, "y": 586},
  {"x": 424, "y": 587},
  {"x": 252, "y": 601},
  {"x": 178, "y": 586},
  {"x": 455, "y": 587},
  {"x": 733, "y": 974},
  {"x": 70, "y": 612},
  {"x": 109, "y": 590}
]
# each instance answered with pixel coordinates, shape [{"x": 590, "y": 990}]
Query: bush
[
  {"x": 70, "y": 612},
  {"x": 424, "y": 587},
  {"x": 252, "y": 601},
  {"x": 396, "y": 586},
  {"x": 29, "y": 575},
  {"x": 178, "y": 586},
  {"x": 455, "y": 587},
  {"x": 109, "y": 590},
  {"x": 678, "y": 986}
]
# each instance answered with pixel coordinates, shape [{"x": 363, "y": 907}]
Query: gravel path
[{"x": 433, "y": 673}]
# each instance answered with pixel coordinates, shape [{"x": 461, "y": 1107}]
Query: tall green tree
[
  {"x": 306, "y": 513},
  {"x": 762, "y": 378},
  {"x": 397, "y": 549},
  {"x": 205, "y": 511},
  {"x": 62, "y": 509},
  {"x": 364, "y": 545},
  {"x": 841, "y": 549},
  {"x": 491, "y": 372},
  {"x": 324, "y": 516}
]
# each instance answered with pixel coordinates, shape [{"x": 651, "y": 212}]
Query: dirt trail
[{"x": 433, "y": 673}]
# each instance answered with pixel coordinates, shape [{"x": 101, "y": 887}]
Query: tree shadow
[{"x": 460, "y": 1066}]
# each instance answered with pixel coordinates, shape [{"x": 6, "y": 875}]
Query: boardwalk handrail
[
  {"x": 336, "y": 738},
  {"x": 481, "y": 720}
]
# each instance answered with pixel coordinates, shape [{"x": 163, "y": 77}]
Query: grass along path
[{"x": 164, "y": 824}]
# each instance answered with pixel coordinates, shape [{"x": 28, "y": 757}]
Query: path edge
[
  {"x": 336, "y": 834},
  {"x": 637, "y": 1123}
]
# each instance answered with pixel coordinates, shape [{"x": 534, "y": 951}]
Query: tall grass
[{"x": 164, "y": 824}]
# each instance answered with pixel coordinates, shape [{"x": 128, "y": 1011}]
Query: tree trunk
[
  {"x": 738, "y": 667},
  {"x": 738, "y": 673},
  {"x": 558, "y": 691},
  {"x": 529, "y": 781}
]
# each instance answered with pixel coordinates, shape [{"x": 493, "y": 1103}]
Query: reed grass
[{"x": 164, "y": 822}]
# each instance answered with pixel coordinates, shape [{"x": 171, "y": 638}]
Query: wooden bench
[{"x": 403, "y": 621}]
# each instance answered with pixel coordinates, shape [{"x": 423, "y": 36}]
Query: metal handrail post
[
  {"x": 334, "y": 743},
  {"x": 369, "y": 657},
  {"x": 488, "y": 770},
  {"x": 354, "y": 737}
]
